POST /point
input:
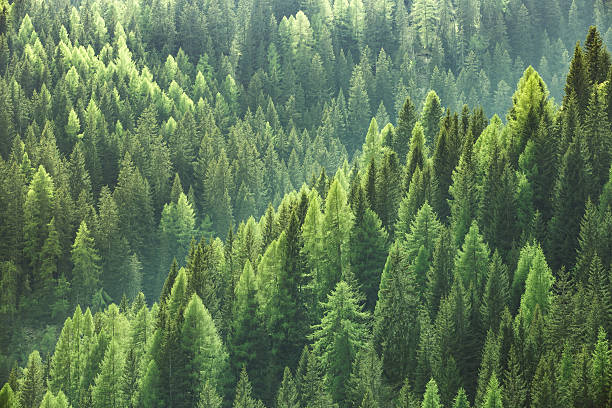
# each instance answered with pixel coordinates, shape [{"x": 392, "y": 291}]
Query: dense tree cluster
[{"x": 289, "y": 203}]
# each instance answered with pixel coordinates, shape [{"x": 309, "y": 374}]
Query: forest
[{"x": 305, "y": 203}]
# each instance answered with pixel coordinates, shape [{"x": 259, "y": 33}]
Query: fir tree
[
  {"x": 338, "y": 338},
  {"x": 86, "y": 271}
]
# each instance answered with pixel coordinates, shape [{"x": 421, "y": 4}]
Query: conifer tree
[
  {"x": 489, "y": 369},
  {"x": 245, "y": 345},
  {"x": 416, "y": 155},
  {"x": 106, "y": 391},
  {"x": 406, "y": 120},
  {"x": 287, "y": 396},
  {"x": 86, "y": 271},
  {"x": 431, "y": 399},
  {"x": 461, "y": 400},
  {"x": 202, "y": 355},
  {"x": 464, "y": 192},
  {"x": 367, "y": 246},
  {"x": 38, "y": 211},
  {"x": 243, "y": 398},
  {"x": 395, "y": 332},
  {"x": 495, "y": 294},
  {"x": 471, "y": 263},
  {"x": 31, "y": 386},
  {"x": 537, "y": 288},
  {"x": 432, "y": 113},
  {"x": 577, "y": 81},
  {"x": 600, "y": 371},
  {"x": 493, "y": 397},
  {"x": 338, "y": 338},
  {"x": 7, "y": 397},
  {"x": 336, "y": 225}
]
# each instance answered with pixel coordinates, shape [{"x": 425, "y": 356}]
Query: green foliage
[
  {"x": 338, "y": 338},
  {"x": 86, "y": 271}
]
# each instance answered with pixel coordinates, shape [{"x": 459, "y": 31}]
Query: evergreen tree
[
  {"x": 31, "y": 386},
  {"x": 367, "y": 247},
  {"x": 495, "y": 294},
  {"x": 7, "y": 397},
  {"x": 431, "y": 399},
  {"x": 464, "y": 192},
  {"x": 395, "y": 332},
  {"x": 246, "y": 348},
  {"x": 38, "y": 211},
  {"x": 537, "y": 288},
  {"x": 493, "y": 397},
  {"x": 338, "y": 338},
  {"x": 106, "y": 391},
  {"x": 406, "y": 121},
  {"x": 287, "y": 396},
  {"x": 600, "y": 371},
  {"x": 243, "y": 398},
  {"x": 432, "y": 113},
  {"x": 86, "y": 271},
  {"x": 202, "y": 356}
]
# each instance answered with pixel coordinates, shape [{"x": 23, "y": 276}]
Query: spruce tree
[
  {"x": 287, "y": 396},
  {"x": 432, "y": 113},
  {"x": 537, "y": 288},
  {"x": 7, "y": 397},
  {"x": 395, "y": 332},
  {"x": 600, "y": 371},
  {"x": 493, "y": 397},
  {"x": 86, "y": 270},
  {"x": 431, "y": 399},
  {"x": 106, "y": 391},
  {"x": 367, "y": 247},
  {"x": 406, "y": 120},
  {"x": 31, "y": 386},
  {"x": 338, "y": 338}
]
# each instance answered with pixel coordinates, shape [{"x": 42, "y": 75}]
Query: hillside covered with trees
[{"x": 305, "y": 203}]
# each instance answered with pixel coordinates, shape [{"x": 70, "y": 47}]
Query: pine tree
[
  {"x": 358, "y": 109},
  {"x": 106, "y": 391},
  {"x": 461, "y": 400},
  {"x": 489, "y": 370},
  {"x": 495, "y": 294},
  {"x": 431, "y": 399},
  {"x": 471, "y": 263},
  {"x": 38, "y": 211},
  {"x": 395, "y": 332},
  {"x": 367, "y": 379},
  {"x": 367, "y": 247},
  {"x": 338, "y": 338},
  {"x": 245, "y": 346},
  {"x": 202, "y": 356},
  {"x": 440, "y": 275},
  {"x": 515, "y": 387},
  {"x": 287, "y": 396},
  {"x": 432, "y": 113},
  {"x": 406, "y": 121},
  {"x": 596, "y": 57},
  {"x": 464, "y": 192},
  {"x": 31, "y": 386},
  {"x": 7, "y": 397},
  {"x": 416, "y": 155},
  {"x": 537, "y": 288},
  {"x": 86, "y": 271},
  {"x": 543, "y": 393},
  {"x": 243, "y": 398},
  {"x": 577, "y": 81},
  {"x": 336, "y": 225},
  {"x": 493, "y": 397},
  {"x": 209, "y": 397},
  {"x": 600, "y": 371}
]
